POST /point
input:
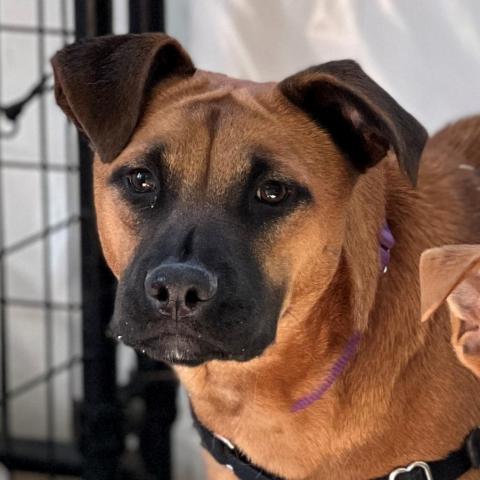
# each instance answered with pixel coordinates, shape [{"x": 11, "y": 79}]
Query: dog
[
  {"x": 266, "y": 238},
  {"x": 451, "y": 274}
]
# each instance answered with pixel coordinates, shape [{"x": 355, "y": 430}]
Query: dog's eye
[
  {"x": 272, "y": 192},
  {"x": 141, "y": 181}
]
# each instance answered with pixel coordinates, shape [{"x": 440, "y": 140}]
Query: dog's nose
[{"x": 178, "y": 289}]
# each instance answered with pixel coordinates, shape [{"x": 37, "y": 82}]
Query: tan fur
[{"x": 404, "y": 397}]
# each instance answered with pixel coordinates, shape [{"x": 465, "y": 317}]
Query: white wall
[{"x": 424, "y": 52}]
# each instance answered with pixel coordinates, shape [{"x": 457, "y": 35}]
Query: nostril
[
  {"x": 191, "y": 298},
  {"x": 162, "y": 294},
  {"x": 179, "y": 289}
]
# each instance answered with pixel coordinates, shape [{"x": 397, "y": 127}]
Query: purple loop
[
  {"x": 386, "y": 237},
  {"x": 387, "y": 242}
]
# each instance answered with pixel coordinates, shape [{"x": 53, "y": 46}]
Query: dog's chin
[{"x": 177, "y": 349}]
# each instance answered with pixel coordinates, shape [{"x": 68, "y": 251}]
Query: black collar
[{"x": 450, "y": 468}]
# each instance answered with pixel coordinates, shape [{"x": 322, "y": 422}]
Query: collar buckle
[
  {"x": 424, "y": 467},
  {"x": 225, "y": 441}
]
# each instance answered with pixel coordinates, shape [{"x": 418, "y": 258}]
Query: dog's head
[
  {"x": 451, "y": 274},
  {"x": 221, "y": 203}
]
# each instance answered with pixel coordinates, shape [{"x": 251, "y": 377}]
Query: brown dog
[
  {"x": 242, "y": 221},
  {"x": 452, "y": 274}
]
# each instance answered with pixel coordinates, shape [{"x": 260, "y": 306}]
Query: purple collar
[
  {"x": 387, "y": 242},
  {"x": 337, "y": 369}
]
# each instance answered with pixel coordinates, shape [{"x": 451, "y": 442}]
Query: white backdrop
[{"x": 426, "y": 53}]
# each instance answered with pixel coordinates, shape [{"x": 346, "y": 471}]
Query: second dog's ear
[
  {"x": 103, "y": 83},
  {"x": 451, "y": 272},
  {"x": 363, "y": 120}
]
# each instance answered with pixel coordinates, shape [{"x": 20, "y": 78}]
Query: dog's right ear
[{"x": 102, "y": 84}]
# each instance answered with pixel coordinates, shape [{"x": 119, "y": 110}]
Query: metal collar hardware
[{"x": 421, "y": 465}]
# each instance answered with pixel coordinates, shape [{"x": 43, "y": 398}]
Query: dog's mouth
[
  {"x": 180, "y": 349},
  {"x": 175, "y": 347}
]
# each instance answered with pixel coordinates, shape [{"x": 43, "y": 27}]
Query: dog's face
[
  {"x": 451, "y": 275},
  {"x": 221, "y": 208},
  {"x": 221, "y": 204}
]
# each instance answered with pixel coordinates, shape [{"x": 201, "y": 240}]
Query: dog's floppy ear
[
  {"x": 452, "y": 273},
  {"x": 448, "y": 273},
  {"x": 362, "y": 119},
  {"x": 103, "y": 83}
]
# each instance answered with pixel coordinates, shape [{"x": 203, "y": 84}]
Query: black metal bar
[
  {"x": 92, "y": 18},
  {"x": 38, "y": 236},
  {"x": 35, "y": 30},
  {"x": 102, "y": 441},
  {"x": 146, "y": 16},
  {"x": 13, "y": 110},
  {"x": 159, "y": 395},
  {"x": 28, "y": 303},
  {"x": 27, "y": 165},
  {"x": 45, "y": 377},
  {"x": 34, "y": 456}
]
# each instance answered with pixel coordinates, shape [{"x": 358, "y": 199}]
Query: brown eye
[
  {"x": 141, "y": 181},
  {"x": 272, "y": 192}
]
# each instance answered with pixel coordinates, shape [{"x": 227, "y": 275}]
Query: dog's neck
[{"x": 391, "y": 405}]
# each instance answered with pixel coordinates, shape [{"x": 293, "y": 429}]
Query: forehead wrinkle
[
  {"x": 214, "y": 168},
  {"x": 226, "y": 97},
  {"x": 213, "y": 120},
  {"x": 190, "y": 149},
  {"x": 255, "y": 104},
  {"x": 202, "y": 99}
]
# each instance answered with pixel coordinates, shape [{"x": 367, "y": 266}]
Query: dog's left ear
[{"x": 363, "y": 120}]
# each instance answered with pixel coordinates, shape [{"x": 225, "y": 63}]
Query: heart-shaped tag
[{"x": 410, "y": 468}]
